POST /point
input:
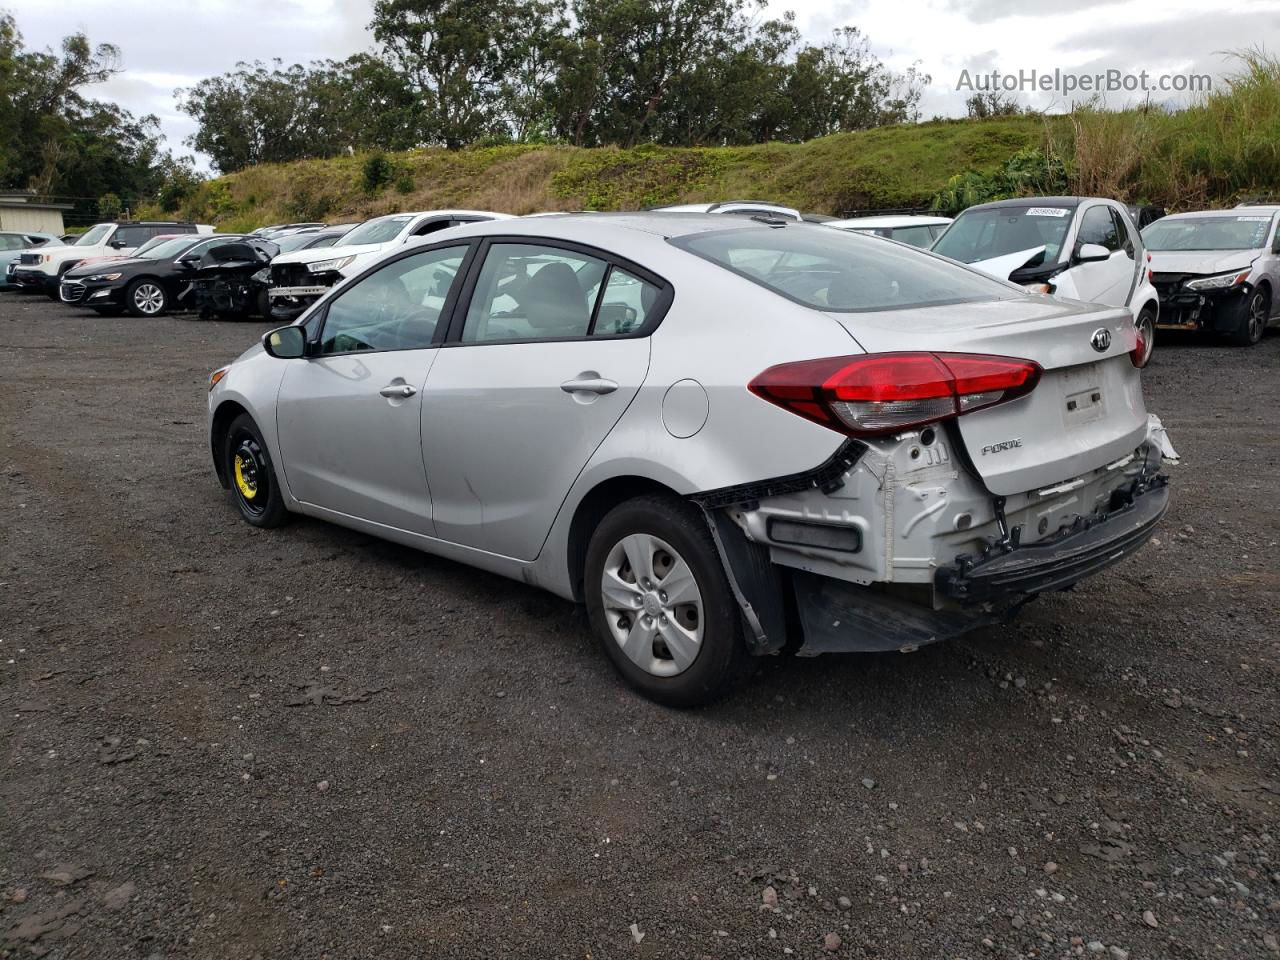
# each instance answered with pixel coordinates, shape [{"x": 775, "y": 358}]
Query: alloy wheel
[
  {"x": 652, "y": 604},
  {"x": 1257, "y": 317},
  {"x": 148, "y": 298}
]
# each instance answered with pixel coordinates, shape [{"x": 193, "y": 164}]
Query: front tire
[
  {"x": 248, "y": 467},
  {"x": 1251, "y": 317},
  {"x": 146, "y": 298},
  {"x": 661, "y": 605}
]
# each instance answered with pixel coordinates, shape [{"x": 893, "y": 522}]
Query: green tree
[{"x": 459, "y": 57}]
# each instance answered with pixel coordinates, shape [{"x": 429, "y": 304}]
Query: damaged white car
[
  {"x": 725, "y": 437},
  {"x": 1081, "y": 248}
]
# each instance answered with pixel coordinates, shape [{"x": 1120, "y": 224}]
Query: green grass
[{"x": 1224, "y": 147}]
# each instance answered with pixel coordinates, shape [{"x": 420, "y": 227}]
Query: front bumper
[
  {"x": 81, "y": 294},
  {"x": 1095, "y": 543},
  {"x": 1183, "y": 309},
  {"x": 30, "y": 279}
]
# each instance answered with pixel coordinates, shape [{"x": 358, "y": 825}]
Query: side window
[
  {"x": 1122, "y": 231},
  {"x": 1098, "y": 226},
  {"x": 936, "y": 229},
  {"x": 396, "y": 308},
  {"x": 432, "y": 226},
  {"x": 530, "y": 292},
  {"x": 131, "y": 236},
  {"x": 625, "y": 305},
  {"x": 8, "y": 242}
]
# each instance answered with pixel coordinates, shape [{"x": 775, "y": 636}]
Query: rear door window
[{"x": 527, "y": 291}]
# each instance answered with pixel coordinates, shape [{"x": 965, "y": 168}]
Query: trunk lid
[{"x": 1087, "y": 410}]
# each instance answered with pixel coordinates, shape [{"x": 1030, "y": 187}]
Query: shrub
[{"x": 377, "y": 172}]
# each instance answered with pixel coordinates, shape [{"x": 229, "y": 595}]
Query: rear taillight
[
  {"x": 889, "y": 392},
  {"x": 1140, "y": 354}
]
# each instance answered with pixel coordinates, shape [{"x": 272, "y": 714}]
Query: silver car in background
[
  {"x": 1217, "y": 270},
  {"x": 725, "y": 436}
]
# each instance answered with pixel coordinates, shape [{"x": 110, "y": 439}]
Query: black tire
[
  {"x": 722, "y": 660},
  {"x": 1146, "y": 324},
  {"x": 146, "y": 298},
  {"x": 253, "y": 482},
  {"x": 1250, "y": 318}
]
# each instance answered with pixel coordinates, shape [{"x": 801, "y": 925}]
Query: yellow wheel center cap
[{"x": 248, "y": 486}]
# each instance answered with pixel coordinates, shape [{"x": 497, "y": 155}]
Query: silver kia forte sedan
[{"x": 726, "y": 437}]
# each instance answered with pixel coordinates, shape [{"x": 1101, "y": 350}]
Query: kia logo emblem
[{"x": 1101, "y": 340}]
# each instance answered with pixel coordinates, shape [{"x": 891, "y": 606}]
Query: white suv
[
  {"x": 301, "y": 278},
  {"x": 42, "y": 269}
]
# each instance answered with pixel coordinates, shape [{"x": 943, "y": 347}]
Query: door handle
[
  {"x": 397, "y": 391},
  {"x": 597, "y": 385}
]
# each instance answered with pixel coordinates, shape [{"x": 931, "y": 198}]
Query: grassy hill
[
  {"x": 889, "y": 167},
  {"x": 1222, "y": 148}
]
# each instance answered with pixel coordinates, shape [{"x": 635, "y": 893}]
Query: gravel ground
[{"x": 232, "y": 743}]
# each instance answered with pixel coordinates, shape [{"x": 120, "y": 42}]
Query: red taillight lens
[
  {"x": 889, "y": 392},
  {"x": 1139, "y": 355}
]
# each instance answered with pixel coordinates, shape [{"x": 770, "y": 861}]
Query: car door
[
  {"x": 1107, "y": 281},
  {"x": 551, "y": 348},
  {"x": 349, "y": 414}
]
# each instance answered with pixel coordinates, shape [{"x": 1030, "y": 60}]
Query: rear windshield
[
  {"x": 1242, "y": 232},
  {"x": 984, "y": 234},
  {"x": 838, "y": 270}
]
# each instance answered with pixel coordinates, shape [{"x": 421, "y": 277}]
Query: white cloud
[{"x": 168, "y": 48}]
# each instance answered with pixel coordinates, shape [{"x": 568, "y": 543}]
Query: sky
[{"x": 163, "y": 51}]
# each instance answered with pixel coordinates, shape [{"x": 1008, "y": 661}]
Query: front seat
[{"x": 554, "y": 304}]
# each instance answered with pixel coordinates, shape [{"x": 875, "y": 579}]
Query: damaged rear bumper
[{"x": 1097, "y": 543}]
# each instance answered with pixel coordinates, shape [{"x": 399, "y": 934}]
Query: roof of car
[
  {"x": 1244, "y": 210},
  {"x": 659, "y": 224},
  {"x": 902, "y": 220},
  {"x": 1069, "y": 202}
]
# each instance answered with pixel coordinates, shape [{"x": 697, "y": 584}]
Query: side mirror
[
  {"x": 285, "y": 343},
  {"x": 1092, "y": 252},
  {"x": 188, "y": 260},
  {"x": 117, "y": 244}
]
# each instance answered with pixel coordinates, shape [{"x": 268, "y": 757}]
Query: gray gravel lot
[{"x": 231, "y": 743}]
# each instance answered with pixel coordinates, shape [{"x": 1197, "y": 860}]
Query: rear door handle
[
  {"x": 397, "y": 390},
  {"x": 596, "y": 385}
]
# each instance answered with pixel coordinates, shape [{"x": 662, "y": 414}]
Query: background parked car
[
  {"x": 12, "y": 243},
  {"x": 1081, "y": 248},
  {"x": 919, "y": 231},
  {"x": 153, "y": 282},
  {"x": 42, "y": 270},
  {"x": 231, "y": 281},
  {"x": 1217, "y": 270},
  {"x": 311, "y": 239},
  {"x": 300, "y": 278}
]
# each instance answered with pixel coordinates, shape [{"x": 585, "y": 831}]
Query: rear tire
[
  {"x": 251, "y": 474},
  {"x": 681, "y": 646},
  {"x": 1251, "y": 316}
]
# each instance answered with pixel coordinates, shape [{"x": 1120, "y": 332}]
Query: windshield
[
  {"x": 997, "y": 232},
  {"x": 1207, "y": 233},
  {"x": 165, "y": 248},
  {"x": 821, "y": 268},
  {"x": 95, "y": 235},
  {"x": 382, "y": 230},
  {"x": 294, "y": 241}
]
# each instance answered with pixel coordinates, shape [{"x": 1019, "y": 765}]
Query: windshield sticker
[
  {"x": 1046, "y": 212},
  {"x": 1254, "y": 219}
]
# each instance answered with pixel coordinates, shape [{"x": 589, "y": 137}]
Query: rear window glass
[{"x": 839, "y": 270}]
